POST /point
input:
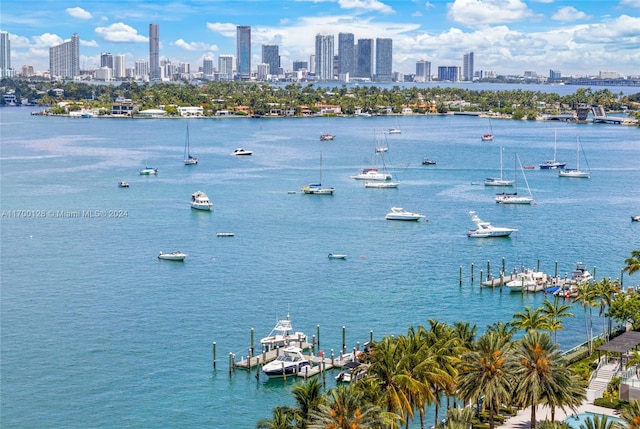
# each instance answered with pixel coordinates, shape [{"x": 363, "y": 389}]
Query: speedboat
[
  {"x": 491, "y": 181},
  {"x": 485, "y": 229},
  {"x": 580, "y": 274},
  {"x": 317, "y": 189},
  {"x": 281, "y": 335},
  {"x": 290, "y": 362},
  {"x": 173, "y": 256},
  {"x": 327, "y": 136},
  {"x": 371, "y": 174},
  {"x": 528, "y": 281},
  {"x": 148, "y": 171},
  {"x": 200, "y": 201},
  {"x": 428, "y": 161},
  {"x": 123, "y": 184},
  {"x": 239, "y": 152},
  {"x": 398, "y": 213},
  {"x": 337, "y": 256},
  {"x": 635, "y": 218},
  {"x": 353, "y": 371},
  {"x": 513, "y": 198},
  {"x": 487, "y": 137},
  {"x": 395, "y": 131}
]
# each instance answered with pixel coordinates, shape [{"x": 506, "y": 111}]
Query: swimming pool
[{"x": 577, "y": 420}]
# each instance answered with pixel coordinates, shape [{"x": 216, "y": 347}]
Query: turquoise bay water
[{"x": 97, "y": 332}]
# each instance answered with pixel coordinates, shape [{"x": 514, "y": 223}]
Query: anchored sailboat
[
  {"x": 576, "y": 172},
  {"x": 553, "y": 164},
  {"x": 514, "y": 198},
  {"x": 501, "y": 181},
  {"x": 188, "y": 159}
]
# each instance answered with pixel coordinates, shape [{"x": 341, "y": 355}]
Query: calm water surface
[{"x": 97, "y": 332}]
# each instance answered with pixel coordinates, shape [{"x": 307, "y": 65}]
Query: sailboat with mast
[
  {"x": 188, "y": 159},
  {"x": 492, "y": 181},
  {"x": 515, "y": 198},
  {"x": 317, "y": 188},
  {"x": 489, "y": 135},
  {"x": 553, "y": 164},
  {"x": 382, "y": 184},
  {"x": 576, "y": 172}
]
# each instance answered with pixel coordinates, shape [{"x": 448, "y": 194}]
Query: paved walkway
[{"x": 523, "y": 418}]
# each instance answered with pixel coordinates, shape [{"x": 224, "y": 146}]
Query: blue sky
[{"x": 579, "y": 37}]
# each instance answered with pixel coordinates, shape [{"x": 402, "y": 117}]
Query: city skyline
[{"x": 507, "y": 36}]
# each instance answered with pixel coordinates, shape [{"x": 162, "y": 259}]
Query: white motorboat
[
  {"x": 173, "y": 256},
  {"x": 123, "y": 184},
  {"x": 225, "y": 234},
  {"x": 282, "y": 335},
  {"x": 200, "y": 201},
  {"x": 428, "y": 161},
  {"x": 290, "y": 362},
  {"x": 528, "y": 281},
  {"x": 327, "y": 136},
  {"x": 353, "y": 371},
  {"x": 381, "y": 184},
  {"x": 485, "y": 229},
  {"x": 635, "y": 218},
  {"x": 395, "y": 131},
  {"x": 372, "y": 174},
  {"x": 148, "y": 171},
  {"x": 580, "y": 274},
  {"x": 398, "y": 213},
  {"x": 241, "y": 152},
  {"x": 576, "y": 172},
  {"x": 337, "y": 256}
]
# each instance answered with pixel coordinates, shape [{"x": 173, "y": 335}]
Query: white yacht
[
  {"x": 485, "y": 229},
  {"x": 173, "y": 256},
  {"x": 528, "y": 281},
  {"x": 241, "y": 152},
  {"x": 290, "y": 362},
  {"x": 200, "y": 201},
  {"x": 398, "y": 213},
  {"x": 372, "y": 174},
  {"x": 148, "y": 171},
  {"x": 281, "y": 335}
]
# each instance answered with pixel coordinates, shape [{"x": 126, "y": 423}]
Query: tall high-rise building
[
  {"x": 225, "y": 67},
  {"x": 243, "y": 51},
  {"x": 449, "y": 73},
  {"x": 346, "y": 53},
  {"x": 64, "y": 59},
  {"x": 300, "y": 65},
  {"x": 324, "y": 56},
  {"x": 119, "y": 67},
  {"x": 312, "y": 63},
  {"x": 154, "y": 52},
  {"x": 384, "y": 60},
  {"x": 364, "y": 58},
  {"x": 271, "y": 56},
  {"x": 467, "y": 67},
  {"x": 106, "y": 60},
  {"x": 207, "y": 68},
  {"x": 142, "y": 69},
  {"x": 5, "y": 54},
  {"x": 423, "y": 71},
  {"x": 555, "y": 74}
]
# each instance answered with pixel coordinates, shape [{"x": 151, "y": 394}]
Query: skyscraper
[
  {"x": 364, "y": 58},
  {"x": 106, "y": 60},
  {"x": 119, "y": 67},
  {"x": 207, "y": 68},
  {"x": 346, "y": 53},
  {"x": 467, "y": 67},
  {"x": 324, "y": 56},
  {"x": 142, "y": 69},
  {"x": 384, "y": 60},
  {"x": 300, "y": 65},
  {"x": 225, "y": 67},
  {"x": 64, "y": 59},
  {"x": 423, "y": 71},
  {"x": 271, "y": 56},
  {"x": 5, "y": 54},
  {"x": 243, "y": 51},
  {"x": 154, "y": 52},
  {"x": 449, "y": 73}
]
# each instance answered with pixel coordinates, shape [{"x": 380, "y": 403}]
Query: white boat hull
[
  {"x": 513, "y": 199},
  {"x": 498, "y": 182},
  {"x": 398, "y": 213},
  {"x": 575, "y": 174},
  {"x": 173, "y": 256},
  {"x": 381, "y": 185}
]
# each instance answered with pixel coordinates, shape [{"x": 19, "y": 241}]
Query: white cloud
[
  {"x": 630, "y": 3},
  {"x": 429, "y": 5},
  {"x": 47, "y": 40},
  {"x": 120, "y": 33},
  {"x": 194, "y": 46},
  {"x": 366, "y": 5},
  {"x": 227, "y": 29},
  {"x": 78, "y": 12},
  {"x": 416, "y": 13},
  {"x": 488, "y": 12},
  {"x": 569, "y": 14}
]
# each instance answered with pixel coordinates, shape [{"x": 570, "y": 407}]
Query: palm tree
[
  {"x": 585, "y": 296},
  {"x": 308, "y": 397},
  {"x": 541, "y": 373},
  {"x": 600, "y": 422},
  {"x": 554, "y": 312},
  {"x": 631, "y": 414},
  {"x": 283, "y": 418},
  {"x": 345, "y": 409},
  {"x": 634, "y": 360},
  {"x": 633, "y": 262},
  {"x": 604, "y": 291},
  {"x": 529, "y": 319},
  {"x": 486, "y": 373}
]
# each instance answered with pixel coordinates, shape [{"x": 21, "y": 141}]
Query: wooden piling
[
  {"x": 230, "y": 362},
  {"x": 481, "y": 278},
  {"x": 488, "y": 269},
  {"x": 556, "y": 275},
  {"x": 252, "y": 350},
  {"x": 214, "y": 355},
  {"x": 503, "y": 264},
  {"x": 370, "y": 337},
  {"x": 594, "y": 273},
  {"x": 318, "y": 335},
  {"x": 472, "y": 273},
  {"x": 460, "y": 277},
  {"x": 344, "y": 338}
]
